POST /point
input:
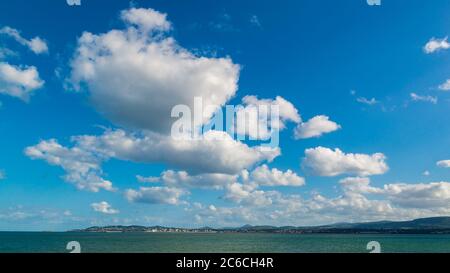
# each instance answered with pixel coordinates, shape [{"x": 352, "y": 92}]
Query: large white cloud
[
  {"x": 135, "y": 76},
  {"x": 36, "y": 44},
  {"x": 217, "y": 152},
  {"x": 19, "y": 82},
  {"x": 215, "y": 156},
  {"x": 316, "y": 127},
  {"x": 435, "y": 45},
  {"x": 327, "y": 162}
]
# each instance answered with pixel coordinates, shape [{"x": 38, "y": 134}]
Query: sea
[{"x": 50, "y": 242}]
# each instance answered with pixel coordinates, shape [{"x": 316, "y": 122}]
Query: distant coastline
[{"x": 433, "y": 225}]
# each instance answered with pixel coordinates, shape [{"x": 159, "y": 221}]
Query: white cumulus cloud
[
  {"x": 422, "y": 195},
  {"x": 135, "y": 76},
  {"x": 217, "y": 152},
  {"x": 445, "y": 86},
  {"x": 82, "y": 162},
  {"x": 315, "y": 127},
  {"x": 247, "y": 195},
  {"x": 182, "y": 179},
  {"x": 327, "y": 162},
  {"x": 359, "y": 201},
  {"x": 264, "y": 176},
  {"x": 443, "y": 163},
  {"x": 155, "y": 195},
  {"x": 19, "y": 82},
  {"x": 146, "y": 19},
  {"x": 104, "y": 207}
]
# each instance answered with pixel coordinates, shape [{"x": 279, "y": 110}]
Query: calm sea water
[{"x": 247, "y": 243}]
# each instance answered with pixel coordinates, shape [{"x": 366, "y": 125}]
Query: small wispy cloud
[
  {"x": 443, "y": 163},
  {"x": 367, "y": 101},
  {"x": 6, "y": 52},
  {"x": 150, "y": 179},
  {"x": 430, "y": 99},
  {"x": 364, "y": 100},
  {"x": 445, "y": 86},
  {"x": 104, "y": 207},
  {"x": 254, "y": 20},
  {"x": 36, "y": 44},
  {"x": 223, "y": 23},
  {"x": 435, "y": 45}
]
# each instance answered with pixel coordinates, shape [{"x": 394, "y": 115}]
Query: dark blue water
[{"x": 247, "y": 243}]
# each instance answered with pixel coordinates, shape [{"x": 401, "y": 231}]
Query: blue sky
[{"x": 364, "y": 67}]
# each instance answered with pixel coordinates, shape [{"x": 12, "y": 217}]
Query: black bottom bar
[{"x": 222, "y": 262}]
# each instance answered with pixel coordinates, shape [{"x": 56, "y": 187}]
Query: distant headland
[{"x": 433, "y": 225}]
